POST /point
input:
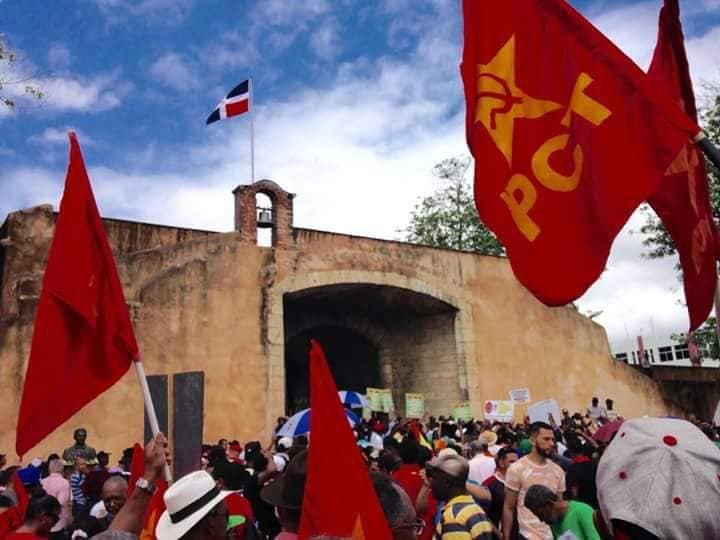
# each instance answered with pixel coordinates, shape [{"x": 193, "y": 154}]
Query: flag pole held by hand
[
  {"x": 708, "y": 148},
  {"x": 150, "y": 408}
]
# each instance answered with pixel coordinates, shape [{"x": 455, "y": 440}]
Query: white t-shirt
[
  {"x": 376, "y": 441},
  {"x": 98, "y": 510},
  {"x": 482, "y": 467}
]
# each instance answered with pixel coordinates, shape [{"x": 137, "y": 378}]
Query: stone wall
[{"x": 215, "y": 302}]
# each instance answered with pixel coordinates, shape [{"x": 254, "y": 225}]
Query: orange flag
[
  {"x": 83, "y": 340},
  {"x": 569, "y": 137},
  {"x": 683, "y": 200},
  {"x": 334, "y": 504}
]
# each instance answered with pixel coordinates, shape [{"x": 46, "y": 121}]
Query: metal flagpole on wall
[{"x": 252, "y": 131}]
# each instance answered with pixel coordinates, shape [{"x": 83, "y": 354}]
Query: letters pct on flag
[
  {"x": 333, "y": 505},
  {"x": 569, "y": 137},
  {"x": 683, "y": 200},
  {"x": 82, "y": 341}
]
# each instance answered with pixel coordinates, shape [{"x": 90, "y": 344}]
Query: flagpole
[
  {"x": 149, "y": 407},
  {"x": 252, "y": 133},
  {"x": 708, "y": 148}
]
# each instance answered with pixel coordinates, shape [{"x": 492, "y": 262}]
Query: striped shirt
[
  {"x": 463, "y": 519},
  {"x": 76, "y": 482}
]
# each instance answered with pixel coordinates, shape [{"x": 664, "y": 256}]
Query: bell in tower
[{"x": 264, "y": 220}]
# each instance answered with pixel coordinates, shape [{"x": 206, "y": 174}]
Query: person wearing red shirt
[{"x": 41, "y": 515}]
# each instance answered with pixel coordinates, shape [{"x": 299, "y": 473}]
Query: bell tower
[{"x": 275, "y": 215}]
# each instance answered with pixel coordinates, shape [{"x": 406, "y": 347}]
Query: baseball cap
[
  {"x": 676, "y": 463},
  {"x": 525, "y": 446}
]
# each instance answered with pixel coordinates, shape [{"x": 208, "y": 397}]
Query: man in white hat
[
  {"x": 195, "y": 509},
  {"x": 660, "y": 477}
]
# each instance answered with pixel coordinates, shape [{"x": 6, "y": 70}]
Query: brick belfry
[{"x": 246, "y": 212}]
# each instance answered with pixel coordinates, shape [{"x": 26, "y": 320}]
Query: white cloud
[
  {"x": 84, "y": 94},
  {"x": 55, "y": 136},
  {"x": 59, "y": 57},
  {"x": 325, "y": 41},
  {"x": 175, "y": 71},
  {"x": 151, "y": 11}
]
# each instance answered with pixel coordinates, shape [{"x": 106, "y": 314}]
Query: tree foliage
[
  {"x": 658, "y": 240},
  {"x": 8, "y": 80},
  {"x": 448, "y": 217}
]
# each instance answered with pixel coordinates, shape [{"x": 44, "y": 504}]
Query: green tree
[
  {"x": 448, "y": 217},
  {"x": 7, "y": 79},
  {"x": 658, "y": 240}
]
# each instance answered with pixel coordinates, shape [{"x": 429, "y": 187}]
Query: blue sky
[{"x": 356, "y": 101}]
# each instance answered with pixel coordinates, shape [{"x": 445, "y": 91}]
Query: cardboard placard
[
  {"x": 520, "y": 395},
  {"x": 414, "y": 405},
  {"x": 380, "y": 400},
  {"x": 461, "y": 410},
  {"x": 539, "y": 411},
  {"x": 499, "y": 410}
]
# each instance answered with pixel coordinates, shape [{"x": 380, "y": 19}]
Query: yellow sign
[
  {"x": 414, "y": 405},
  {"x": 461, "y": 411},
  {"x": 380, "y": 400}
]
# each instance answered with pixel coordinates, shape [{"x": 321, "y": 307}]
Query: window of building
[
  {"x": 623, "y": 357},
  {"x": 666, "y": 354},
  {"x": 652, "y": 356},
  {"x": 681, "y": 351}
]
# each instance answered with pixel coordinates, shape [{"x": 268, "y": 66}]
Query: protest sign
[
  {"x": 538, "y": 412},
  {"x": 499, "y": 410},
  {"x": 380, "y": 400},
  {"x": 461, "y": 410},
  {"x": 520, "y": 395},
  {"x": 414, "y": 405}
]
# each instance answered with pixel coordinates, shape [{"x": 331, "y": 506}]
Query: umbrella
[
  {"x": 353, "y": 399},
  {"x": 299, "y": 423},
  {"x": 607, "y": 430}
]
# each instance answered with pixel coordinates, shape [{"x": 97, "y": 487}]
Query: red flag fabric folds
[
  {"x": 83, "y": 340},
  {"x": 336, "y": 505},
  {"x": 683, "y": 199},
  {"x": 569, "y": 137}
]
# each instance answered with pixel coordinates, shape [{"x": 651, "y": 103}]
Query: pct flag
[
  {"x": 235, "y": 103},
  {"x": 569, "y": 137},
  {"x": 83, "y": 341},
  {"x": 683, "y": 200},
  {"x": 342, "y": 506}
]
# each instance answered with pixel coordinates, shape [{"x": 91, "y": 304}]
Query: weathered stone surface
[{"x": 450, "y": 324}]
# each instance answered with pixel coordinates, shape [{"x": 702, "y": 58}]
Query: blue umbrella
[
  {"x": 353, "y": 399},
  {"x": 299, "y": 423}
]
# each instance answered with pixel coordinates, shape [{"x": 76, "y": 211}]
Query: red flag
[
  {"x": 137, "y": 466},
  {"x": 569, "y": 137},
  {"x": 82, "y": 341},
  {"x": 683, "y": 200},
  {"x": 346, "y": 505}
]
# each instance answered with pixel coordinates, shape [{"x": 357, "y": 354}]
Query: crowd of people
[{"x": 587, "y": 475}]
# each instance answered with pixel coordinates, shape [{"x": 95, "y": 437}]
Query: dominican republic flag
[{"x": 235, "y": 103}]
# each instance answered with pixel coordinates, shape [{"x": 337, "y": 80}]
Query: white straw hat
[{"x": 188, "y": 501}]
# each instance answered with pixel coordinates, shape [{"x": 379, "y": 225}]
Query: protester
[
  {"x": 659, "y": 478},
  {"x": 398, "y": 508},
  {"x": 448, "y": 476},
  {"x": 610, "y": 411},
  {"x": 482, "y": 464},
  {"x": 233, "y": 477},
  {"x": 79, "y": 500},
  {"x": 234, "y": 452},
  {"x": 80, "y": 449},
  {"x": 56, "y": 485},
  {"x": 594, "y": 411},
  {"x": 281, "y": 457},
  {"x": 496, "y": 485},
  {"x": 567, "y": 519},
  {"x": 285, "y": 493},
  {"x": 42, "y": 514},
  {"x": 407, "y": 475},
  {"x": 114, "y": 496},
  {"x": 535, "y": 468},
  {"x": 96, "y": 476},
  {"x": 580, "y": 477}
]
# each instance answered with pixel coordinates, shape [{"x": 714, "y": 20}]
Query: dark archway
[{"x": 353, "y": 360}]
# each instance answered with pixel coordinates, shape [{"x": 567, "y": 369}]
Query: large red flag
[
  {"x": 683, "y": 200},
  {"x": 569, "y": 137},
  {"x": 83, "y": 340},
  {"x": 334, "y": 504}
]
